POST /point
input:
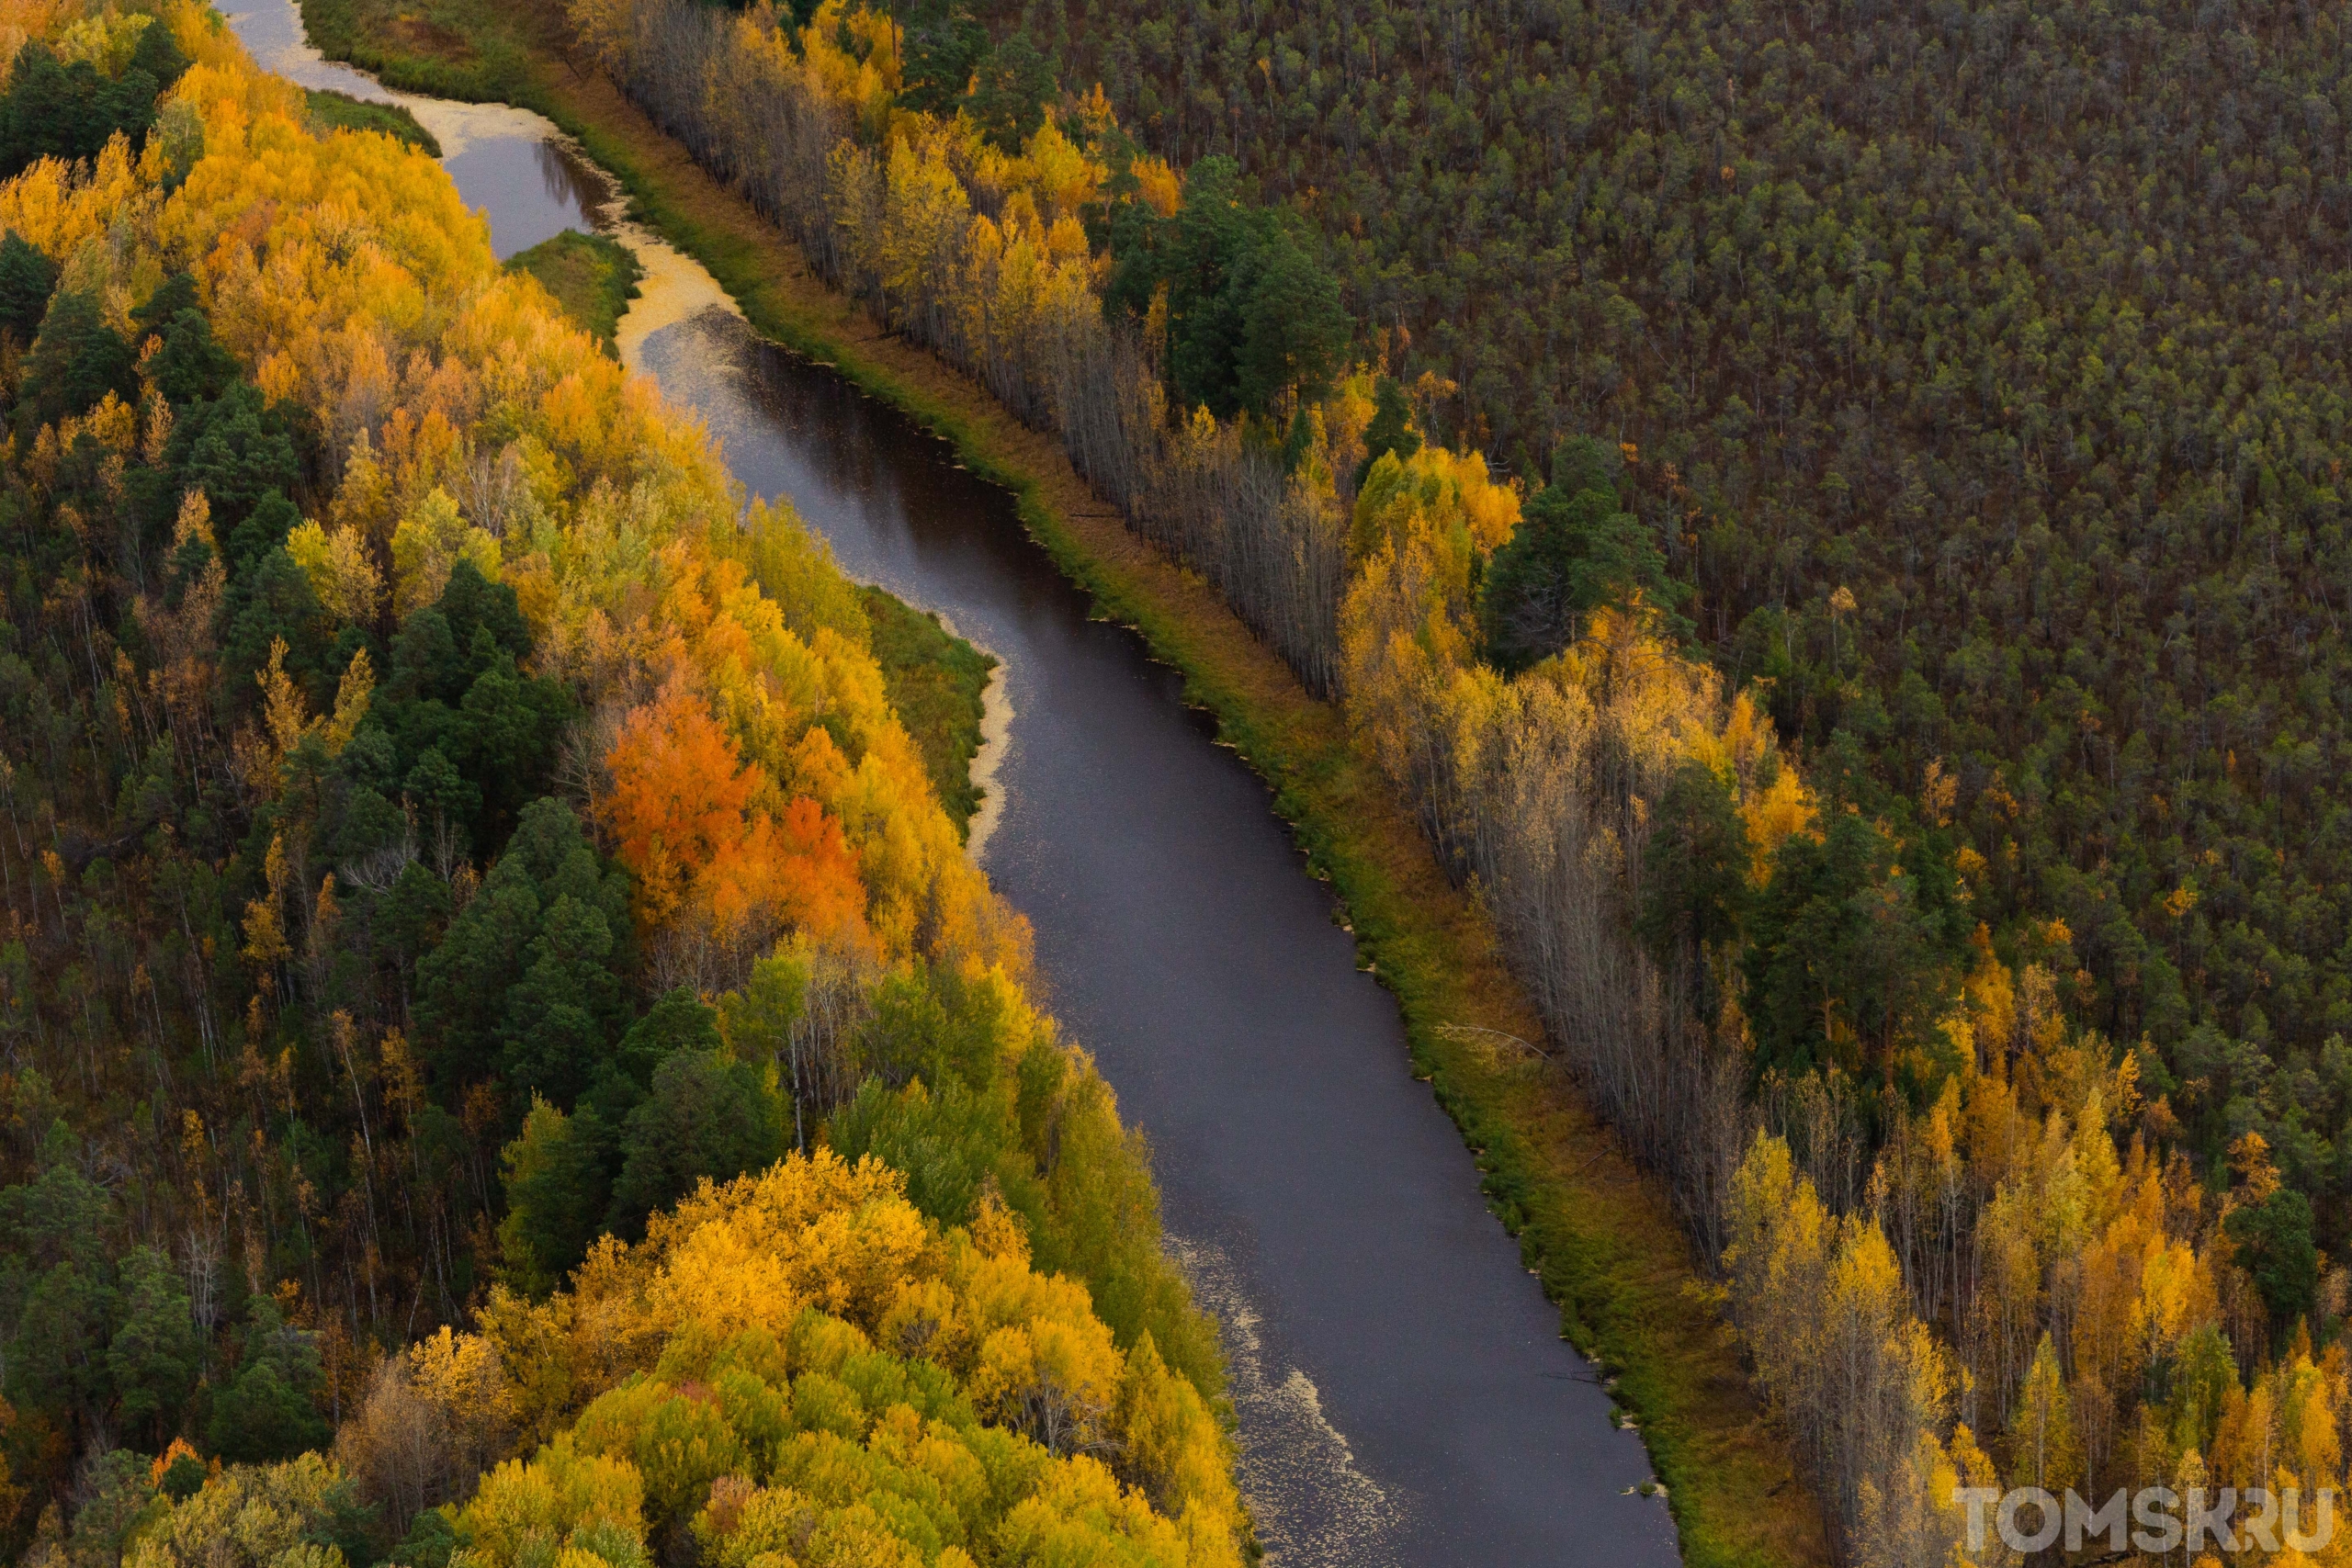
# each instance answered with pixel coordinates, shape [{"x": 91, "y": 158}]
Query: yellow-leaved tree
[{"x": 799, "y": 1362}]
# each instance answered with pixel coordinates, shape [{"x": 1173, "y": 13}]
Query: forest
[
  {"x": 1825, "y": 518},
  {"x": 2017, "y": 325},
  {"x": 1860, "y": 615},
  {"x": 507, "y": 1060}
]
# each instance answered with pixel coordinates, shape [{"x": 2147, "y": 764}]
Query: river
[{"x": 1403, "y": 1394}]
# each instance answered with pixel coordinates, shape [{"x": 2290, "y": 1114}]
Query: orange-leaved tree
[{"x": 716, "y": 852}]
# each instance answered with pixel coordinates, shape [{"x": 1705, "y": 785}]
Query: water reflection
[{"x": 532, "y": 188}]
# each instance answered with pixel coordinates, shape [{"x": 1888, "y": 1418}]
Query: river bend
[{"x": 1402, "y": 1390}]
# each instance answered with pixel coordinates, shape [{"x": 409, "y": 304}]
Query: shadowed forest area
[{"x": 2021, "y": 324}]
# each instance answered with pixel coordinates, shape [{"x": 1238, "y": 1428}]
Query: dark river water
[
  {"x": 1403, "y": 1394},
  {"x": 1403, "y": 1390}
]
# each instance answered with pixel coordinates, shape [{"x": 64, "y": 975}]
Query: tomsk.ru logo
[{"x": 2153, "y": 1520}]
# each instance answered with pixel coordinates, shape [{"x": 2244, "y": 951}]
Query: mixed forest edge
[{"x": 1590, "y": 1222}]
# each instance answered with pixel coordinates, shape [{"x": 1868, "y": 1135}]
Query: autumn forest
[{"x": 1821, "y": 521}]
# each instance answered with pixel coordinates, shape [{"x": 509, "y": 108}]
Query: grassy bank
[
  {"x": 935, "y": 681},
  {"x": 331, "y": 110},
  {"x": 593, "y": 276},
  {"x": 451, "y": 49},
  {"x": 1599, "y": 1233}
]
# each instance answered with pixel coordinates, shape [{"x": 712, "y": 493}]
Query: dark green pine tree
[
  {"x": 557, "y": 1194},
  {"x": 1576, "y": 550},
  {"x": 157, "y": 1351},
  {"x": 269, "y": 1411}
]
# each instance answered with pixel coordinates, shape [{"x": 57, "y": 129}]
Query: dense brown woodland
[{"x": 2021, "y": 324}]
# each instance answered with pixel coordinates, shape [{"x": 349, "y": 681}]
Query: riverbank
[
  {"x": 938, "y": 682},
  {"x": 939, "y": 685},
  {"x": 593, "y": 276},
  {"x": 341, "y": 111},
  {"x": 1598, "y": 1232}
]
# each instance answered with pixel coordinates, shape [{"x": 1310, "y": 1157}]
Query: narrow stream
[
  {"x": 1403, "y": 1392},
  {"x": 511, "y": 166}
]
